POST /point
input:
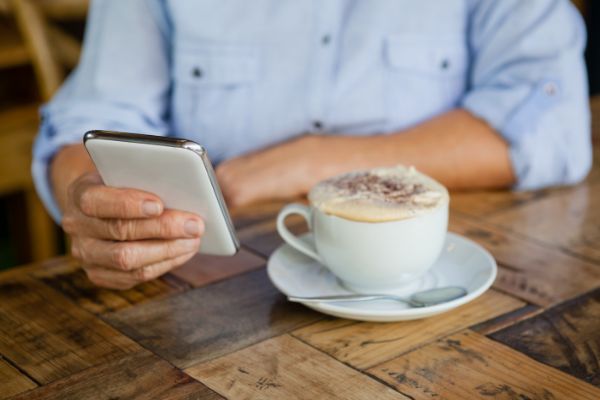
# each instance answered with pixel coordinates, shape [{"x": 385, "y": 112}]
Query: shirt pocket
[
  {"x": 214, "y": 86},
  {"x": 425, "y": 76}
]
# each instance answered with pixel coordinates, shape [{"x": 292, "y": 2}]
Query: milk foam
[{"x": 379, "y": 195}]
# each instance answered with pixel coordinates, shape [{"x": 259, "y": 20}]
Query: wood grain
[
  {"x": 213, "y": 320},
  {"x": 505, "y": 320},
  {"x": 364, "y": 344},
  {"x": 538, "y": 273},
  {"x": 263, "y": 238},
  {"x": 470, "y": 366},
  {"x": 285, "y": 368},
  {"x": 486, "y": 203},
  {"x": 569, "y": 220},
  {"x": 138, "y": 377},
  {"x": 204, "y": 269},
  {"x": 255, "y": 213},
  {"x": 67, "y": 277},
  {"x": 12, "y": 381},
  {"x": 566, "y": 337},
  {"x": 49, "y": 337}
]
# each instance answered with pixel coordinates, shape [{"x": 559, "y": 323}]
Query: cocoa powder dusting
[{"x": 385, "y": 188}]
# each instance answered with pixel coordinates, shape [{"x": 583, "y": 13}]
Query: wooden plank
[
  {"x": 66, "y": 276},
  {"x": 255, "y": 213},
  {"x": 263, "y": 237},
  {"x": 470, "y": 366},
  {"x": 48, "y": 337},
  {"x": 566, "y": 337},
  {"x": 285, "y": 368},
  {"x": 138, "y": 377},
  {"x": 486, "y": 203},
  {"x": 508, "y": 319},
  {"x": 364, "y": 344},
  {"x": 12, "y": 381},
  {"x": 569, "y": 220},
  {"x": 214, "y": 320},
  {"x": 204, "y": 269},
  {"x": 529, "y": 270}
]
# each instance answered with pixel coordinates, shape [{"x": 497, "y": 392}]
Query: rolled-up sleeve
[
  {"x": 122, "y": 82},
  {"x": 528, "y": 81}
]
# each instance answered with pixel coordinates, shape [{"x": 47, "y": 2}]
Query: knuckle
[
  {"x": 69, "y": 223},
  {"x": 123, "y": 256},
  {"x": 119, "y": 229}
]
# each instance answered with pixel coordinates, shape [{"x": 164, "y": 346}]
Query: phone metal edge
[
  {"x": 192, "y": 146},
  {"x": 142, "y": 138},
  {"x": 173, "y": 142}
]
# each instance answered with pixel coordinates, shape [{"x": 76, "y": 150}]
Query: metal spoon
[{"x": 420, "y": 299}]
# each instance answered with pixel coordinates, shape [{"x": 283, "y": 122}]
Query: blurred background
[{"x": 40, "y": 42}]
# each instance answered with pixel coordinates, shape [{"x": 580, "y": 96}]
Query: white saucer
[{"x": 462, "y": 263}]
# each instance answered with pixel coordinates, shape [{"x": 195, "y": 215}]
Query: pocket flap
[
  {"x": 216, "y": 64},
  {"x": 430, "y": 55}
]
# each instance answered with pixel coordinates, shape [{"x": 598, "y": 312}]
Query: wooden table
[{"x": 218, "y": 328}]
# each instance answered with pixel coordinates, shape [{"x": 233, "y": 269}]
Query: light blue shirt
[{"x": 239, "y": 75}]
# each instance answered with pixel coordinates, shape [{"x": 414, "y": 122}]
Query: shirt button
[
  {"x": 318, "y": 125},
  {"x": 445, "y": 64},
  {"x": 326, "y": 39},
  {"x": 550, "y": 89},
  {"x": 197, "y": 72}
]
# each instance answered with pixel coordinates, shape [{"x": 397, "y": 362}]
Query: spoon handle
[{"x": 342, "y": 297}]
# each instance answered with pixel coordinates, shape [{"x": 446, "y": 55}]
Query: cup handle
[{"x": 302, "y": 246}]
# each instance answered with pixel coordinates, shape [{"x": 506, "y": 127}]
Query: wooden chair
[{"x": 34, "y": 39}]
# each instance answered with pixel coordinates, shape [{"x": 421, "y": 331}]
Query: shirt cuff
[
  {"x": 521, "y": 115},
  {"x": 56, "y": 132}
]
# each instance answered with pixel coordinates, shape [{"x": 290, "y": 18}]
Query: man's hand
[
  {"x": 283, "y": 171},
  {"x": 456, "y": 148},
  {"x": 123, "y": 236}
]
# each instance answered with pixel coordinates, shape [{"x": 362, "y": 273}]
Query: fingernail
[
  {"x": 192, "y": 227},
  {"x": 151, "y": 208}
]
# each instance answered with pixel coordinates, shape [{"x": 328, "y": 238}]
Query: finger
[
  {"x": 101, "y": 201},
  {"x": 127, "y": 256},
  {"x": 115, "y": 279},
  {"x": 172, "y": 224}
]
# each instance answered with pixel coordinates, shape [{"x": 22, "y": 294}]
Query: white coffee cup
[{"x": 370, "y": 257}]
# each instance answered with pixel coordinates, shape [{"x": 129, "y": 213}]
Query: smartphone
[{"x": 176, "y": 170}]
